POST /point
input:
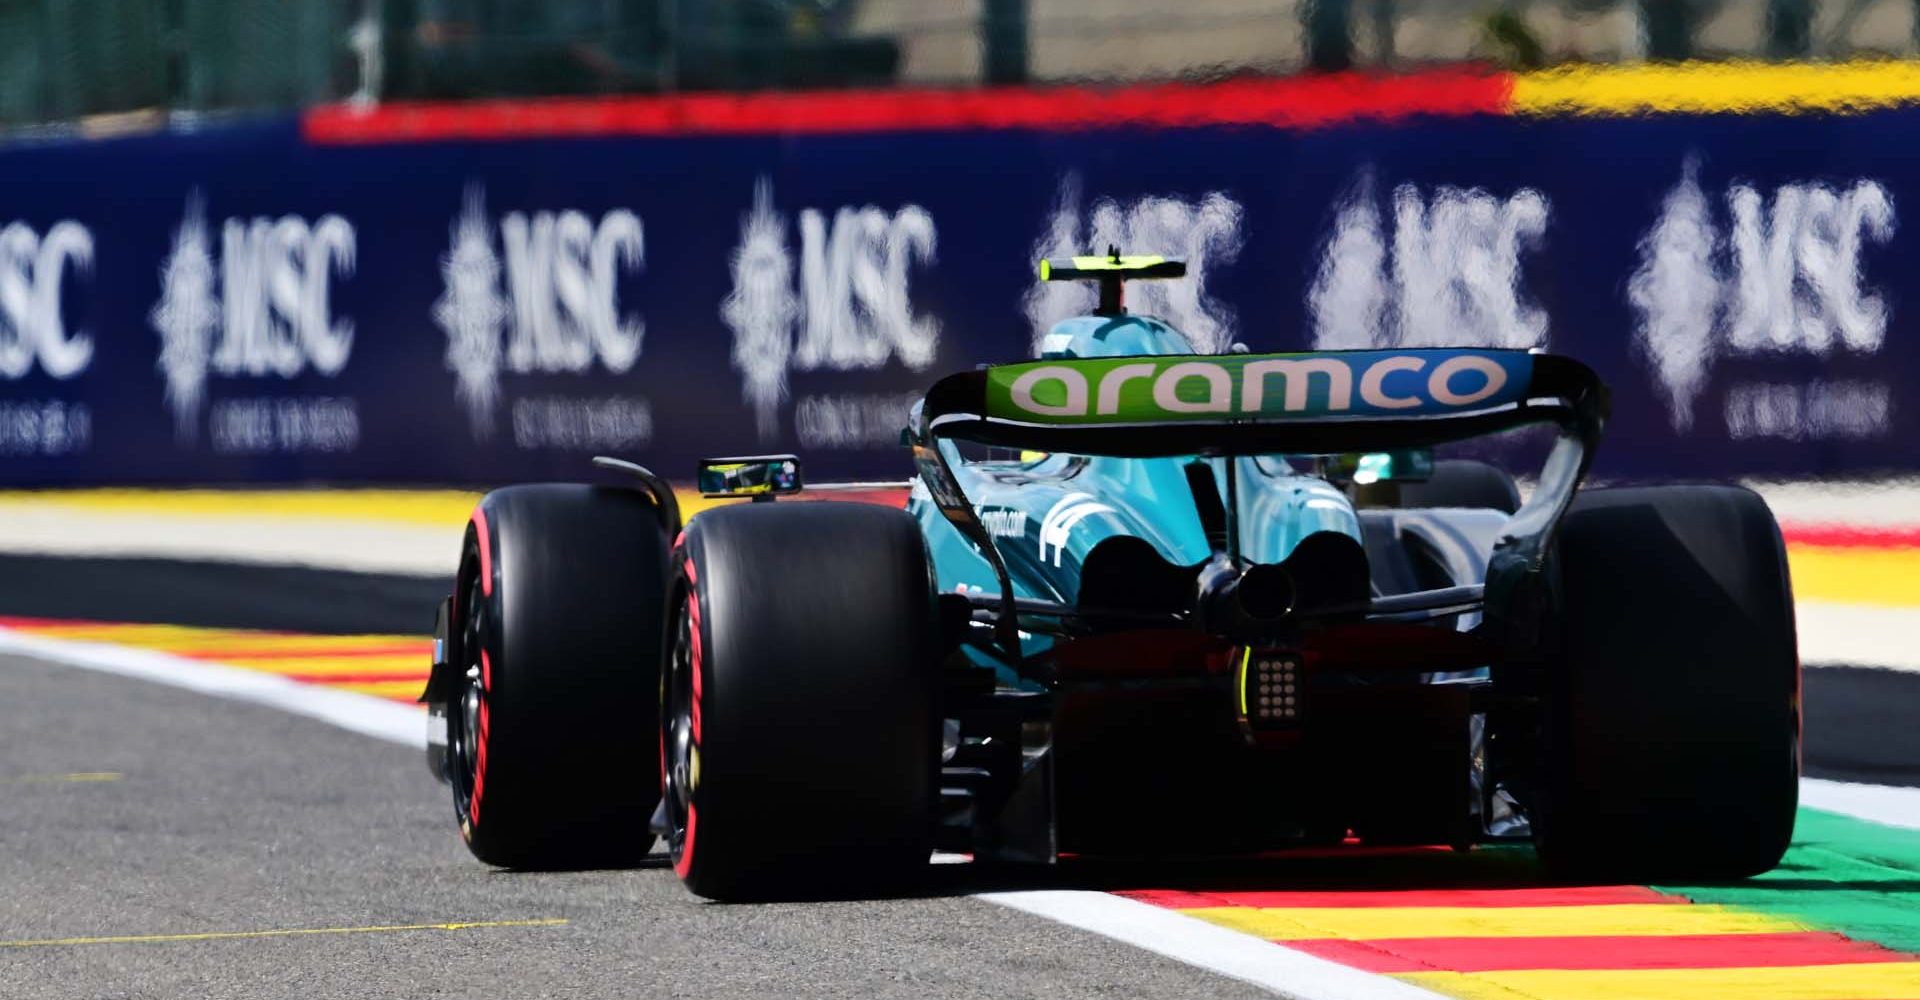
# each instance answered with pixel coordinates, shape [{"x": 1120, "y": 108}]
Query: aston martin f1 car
[{"x": 1140, "y": 601}]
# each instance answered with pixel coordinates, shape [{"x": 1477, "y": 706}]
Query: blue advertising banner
[{"x": 237, "y": 303}]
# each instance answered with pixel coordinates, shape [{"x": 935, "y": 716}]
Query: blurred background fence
[{"x": 63, "y": 59}]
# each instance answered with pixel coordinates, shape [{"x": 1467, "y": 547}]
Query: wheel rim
[
  {"x": 463, "y": 716},
  {"x": 679, "y": 752}
]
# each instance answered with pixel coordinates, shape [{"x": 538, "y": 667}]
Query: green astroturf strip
[{"x": 1842, "y": 874}]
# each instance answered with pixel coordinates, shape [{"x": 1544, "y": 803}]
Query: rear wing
[
  {"x": 1322, "y": 402},
  {"x": 1316, "y": 403}
]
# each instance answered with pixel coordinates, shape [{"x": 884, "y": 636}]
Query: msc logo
[
  {"x": 1375, "y": 383},
  {"x": 260, "y": 307},
  {"x": 31, "y": 328},
  {"x": 853, "y": 311},
  {"x": 1441, "y": 267},
  {"x": 1777, "y": 273},
  {"x": 560, "y": 311}
]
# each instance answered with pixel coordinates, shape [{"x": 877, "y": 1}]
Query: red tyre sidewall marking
[
  {"x": 480, "y": 746},
  {"x": 684, "y": 863},
  {"x": 678, "y": 541},
  {"x": 486, "y": 668},
  {"x": 486, "y": 551}
]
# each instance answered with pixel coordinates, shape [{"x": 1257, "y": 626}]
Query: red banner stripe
[
  {"x": 1302, "y": 102},
  {"x": 1849, "y": 537},
  {"x": 1705, "y": 951}
]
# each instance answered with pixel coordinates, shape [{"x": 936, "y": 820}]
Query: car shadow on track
[
  {"x": 1351, "y": 869},
  {"x": 1340, "y": 869}
]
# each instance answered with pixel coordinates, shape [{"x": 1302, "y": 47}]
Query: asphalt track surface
[
  {"x": 230, "y": 850},
  {"x": 1858, "y": 720},
  {"x": 204, "y": 828}
]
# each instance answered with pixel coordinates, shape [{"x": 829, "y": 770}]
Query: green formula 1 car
[{"x": 1140, "y": 602}]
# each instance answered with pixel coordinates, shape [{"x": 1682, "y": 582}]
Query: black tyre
[
  {"x": 1463, "y": 482},
  {"x": 799, "y": 730},
  {"x": 1672, "y": 724},
  {"x": 557, "y": 632}
]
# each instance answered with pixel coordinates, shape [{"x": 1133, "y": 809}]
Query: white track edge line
[
  {"x": 1862, "y": 635},
  {"x": 350, "y": 710},
  {"x": 1157, "y": 929},
  {"x": 1888, "y": 805},
  {"x": 1208, "y": 946}
]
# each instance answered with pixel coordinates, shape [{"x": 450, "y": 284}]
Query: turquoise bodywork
[{"x": 1047, "y": 512}]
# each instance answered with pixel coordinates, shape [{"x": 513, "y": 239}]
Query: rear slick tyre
[
  {"x": 556, "y": 632},
  {"x": 1672, "y": 718},
  {"x": 799, "y": 734}
]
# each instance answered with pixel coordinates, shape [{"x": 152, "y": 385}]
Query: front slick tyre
[
  {"x": 557, "y": 613},
  {"x": 798, "y": 704},
  {"x": 1672, "y": 723}
]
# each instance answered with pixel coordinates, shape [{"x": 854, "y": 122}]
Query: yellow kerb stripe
[
  {"x": 233, "y": 642},
  {"x": 320, "y": 666},
  {"x": 433, "y": 508},
  {"x": 1856, "y": 575},
  {"x": 148, "y": 636},
  {"x": 1364, "y": 923},
  {"x": 1870, "y": 981},
  {"x": 1709, "y": 88},
  {"x": 426, "y": 507},
  {"x": 408, "y": 691}
]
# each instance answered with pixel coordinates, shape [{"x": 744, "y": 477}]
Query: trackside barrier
[{"x": 489, "y": 292}]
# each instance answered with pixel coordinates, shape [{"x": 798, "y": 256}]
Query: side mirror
[
  {"x": 761, "y": 477},
  {"x": 1366, "y": 468}
]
